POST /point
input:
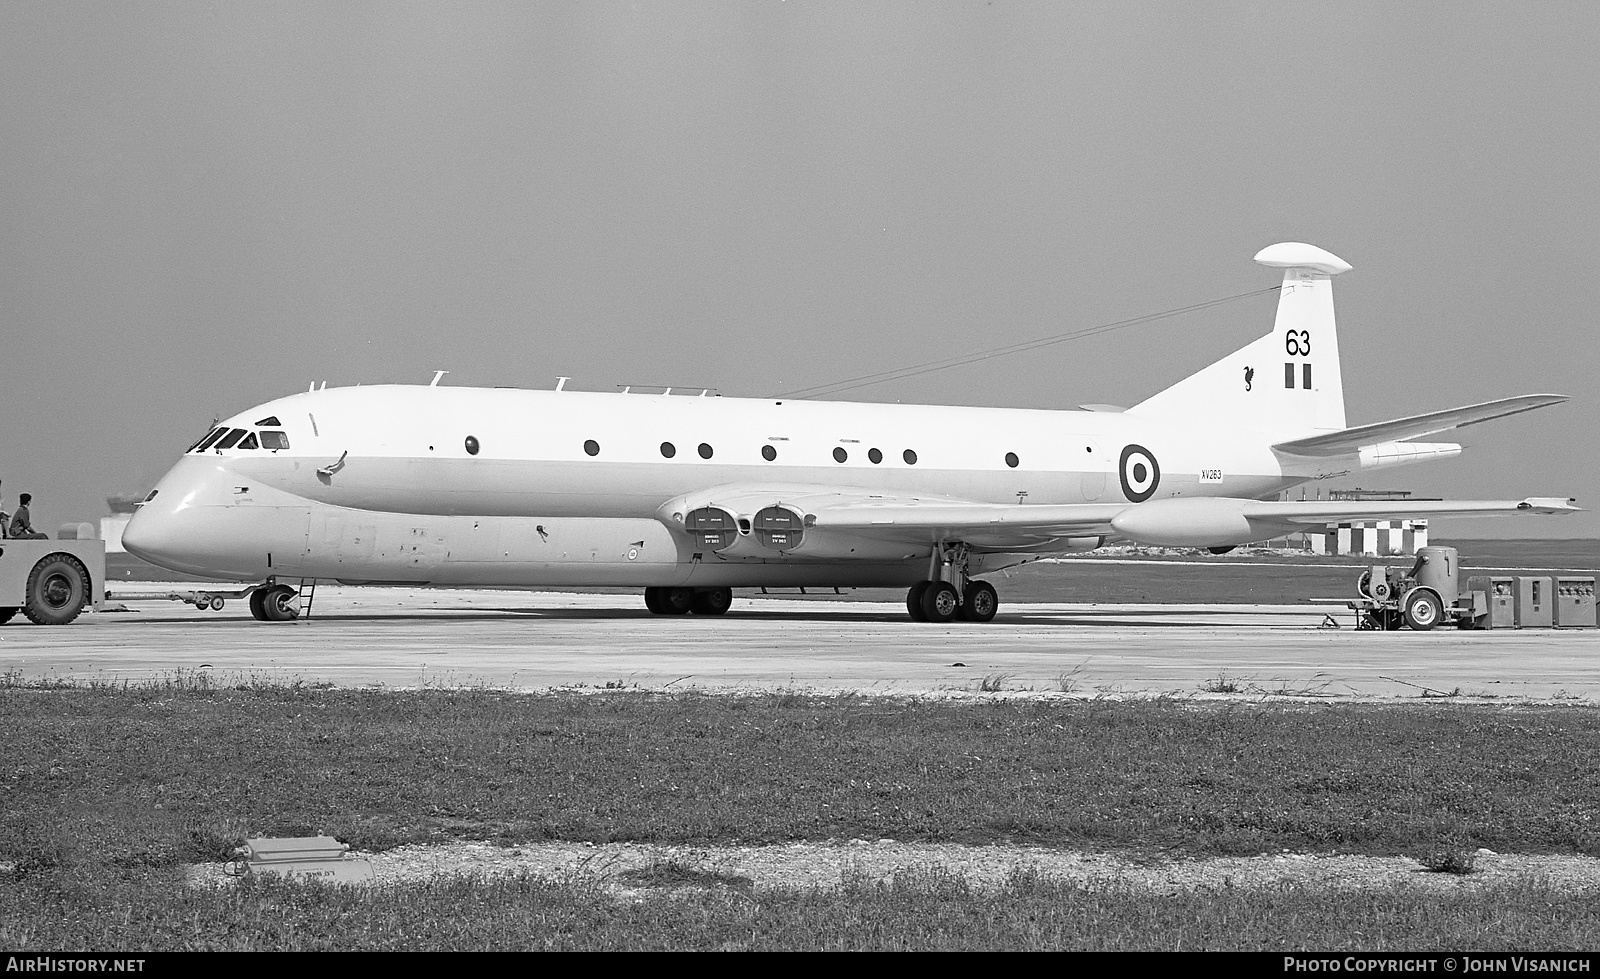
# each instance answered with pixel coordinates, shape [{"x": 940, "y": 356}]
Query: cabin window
[
  {"x": 769, "y": 453},
  {"x": 472, "y": 445},
  {"x": 591, "y": 447},
  {"x": 840, "y": 455},
  {"x": 229, "y": 440},
  {"x": 271, "y": 421},
  {"x": 874, "y": 456},
  {"x": 668, "y": 450},
  {"x": 1012, "y": 460},
  {"x": 705, "y": 451},
  {"x": 205, "y": 443},
  {"x": 274, "y": 440},
  {"x": 910, "y": 457},
  {"x": 250, "y": 442}
]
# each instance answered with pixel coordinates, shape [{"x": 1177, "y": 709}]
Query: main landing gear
[
  {"x": 941, "y": 600},
  {"x": 678, "y": 601}
]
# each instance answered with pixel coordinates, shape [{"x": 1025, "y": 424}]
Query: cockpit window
[
  {"x": 274, "y": 440},
  {"x": 269, "y": 420},
  {"x": 205, "y": 443},
  {"x": 231, "y": 439},
  {"x": 250, "y": 442}
]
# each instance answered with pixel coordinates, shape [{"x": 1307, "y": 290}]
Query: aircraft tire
[
  {"x": 1422, "y": 609},
  {"x": 275, "y": 603},
  {"x": 57, "y": 590},
  {"x": 676, "y": 601},
  {"x": 711, "y": 601},
  {"x": 7, "y": 612},
  {"x": 652, "y": 600},
  {"x": 940, "y": 602},
  {"x": 981, "y": 602},
  {"x": 258, "y": 609},
  {"x": 914, "y": 601}
]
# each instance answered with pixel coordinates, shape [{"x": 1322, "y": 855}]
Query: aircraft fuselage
[{"x": 502, "y": 487}]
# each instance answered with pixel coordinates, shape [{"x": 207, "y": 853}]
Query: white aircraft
[{"x": 689, "y": 497}]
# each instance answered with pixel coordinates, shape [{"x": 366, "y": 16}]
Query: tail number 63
[{"x": 1297, "y": 343}]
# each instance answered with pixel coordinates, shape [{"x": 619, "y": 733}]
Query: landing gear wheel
[
  {"x": 7, "y": 612},
  {"x": 711, "y": 601},
  {"x": 281, "y": 604},
  {"x": 258, "y": 611},
  {"x": 940, "y": 602},
  {"x": 914, "y": 601},
  {"x": 676, "y": 601},
  {"x": 58, "y": 588},
  {"x": 981, "y": 602},
  {"x": 653, "y": 600},
  {"x": 1422, "y": 610}
]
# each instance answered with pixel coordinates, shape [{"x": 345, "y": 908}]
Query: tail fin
[{"x": 1286, "y": 383}]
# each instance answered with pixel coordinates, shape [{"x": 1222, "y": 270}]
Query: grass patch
[
  {"x": 672, "y": 872},
  {"x": 157, "y": 775},
  {"x": 1221, "y": 684},
  {"x": 994, "y": 682},
  {"x": 924, "y": 910}
]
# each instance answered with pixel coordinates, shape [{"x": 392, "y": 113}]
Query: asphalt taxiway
[{"x": 540, "y": 640}]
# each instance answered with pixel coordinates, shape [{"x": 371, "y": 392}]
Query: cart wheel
[
  {"x": 1423, "y": 610},
  {"x": 217, "y": 603}
]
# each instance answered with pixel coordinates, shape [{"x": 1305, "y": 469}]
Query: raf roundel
[{"x": 1140, "y": 473}]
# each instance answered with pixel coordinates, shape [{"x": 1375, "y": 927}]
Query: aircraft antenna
[
  {"x": 561, "y": 382},
  {"x": 929, "y": 367},
  {"x": 437, "y": 376}
]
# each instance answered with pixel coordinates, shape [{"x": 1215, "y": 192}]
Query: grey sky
[{"x": 204, "y": 206}]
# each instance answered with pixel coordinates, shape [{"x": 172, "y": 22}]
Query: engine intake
[
  {"x": 712, "y": 529},
  {"x": 778, "y": 528}
]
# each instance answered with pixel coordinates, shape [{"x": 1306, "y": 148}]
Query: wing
[
  {"x": 1352, "y": 440},
  {"x": 830, "y": 521}
]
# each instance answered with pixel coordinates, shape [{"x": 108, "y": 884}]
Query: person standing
[{"x": 21, "y": 522}]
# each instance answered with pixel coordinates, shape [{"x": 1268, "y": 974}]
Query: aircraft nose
[
  {"x": 151, "y": 535},
  {"x": 170, "y": 528}
]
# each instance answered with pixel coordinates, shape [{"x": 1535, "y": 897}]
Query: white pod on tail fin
[{"x": 1286, "y": 384}]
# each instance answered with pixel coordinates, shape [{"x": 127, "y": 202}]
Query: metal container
[
  {"x": 1574, "y": 603},
  {"x": 1535, "y": 603},
  {"x": 1500, "y": 592},
  {"x": 1439, "y": 568}
]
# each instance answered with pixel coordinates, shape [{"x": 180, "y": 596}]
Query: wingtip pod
[
  {"x": 1299, "y": 255},
  {"x": 1548, "y": 504}
]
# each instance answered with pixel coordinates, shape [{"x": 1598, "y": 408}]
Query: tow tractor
[
  {"x": 1426, "y": 596},
  {"x": 50, "y": 581}
]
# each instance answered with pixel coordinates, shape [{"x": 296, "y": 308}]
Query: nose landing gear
[{"x": 275, "y": 603}]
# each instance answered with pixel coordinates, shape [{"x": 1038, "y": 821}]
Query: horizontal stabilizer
[
  {"x": 1222, "y": 521},
  {"x": 1350, "y": 441}
]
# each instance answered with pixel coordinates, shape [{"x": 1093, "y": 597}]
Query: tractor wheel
[{"x": 58, "y": 589}]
